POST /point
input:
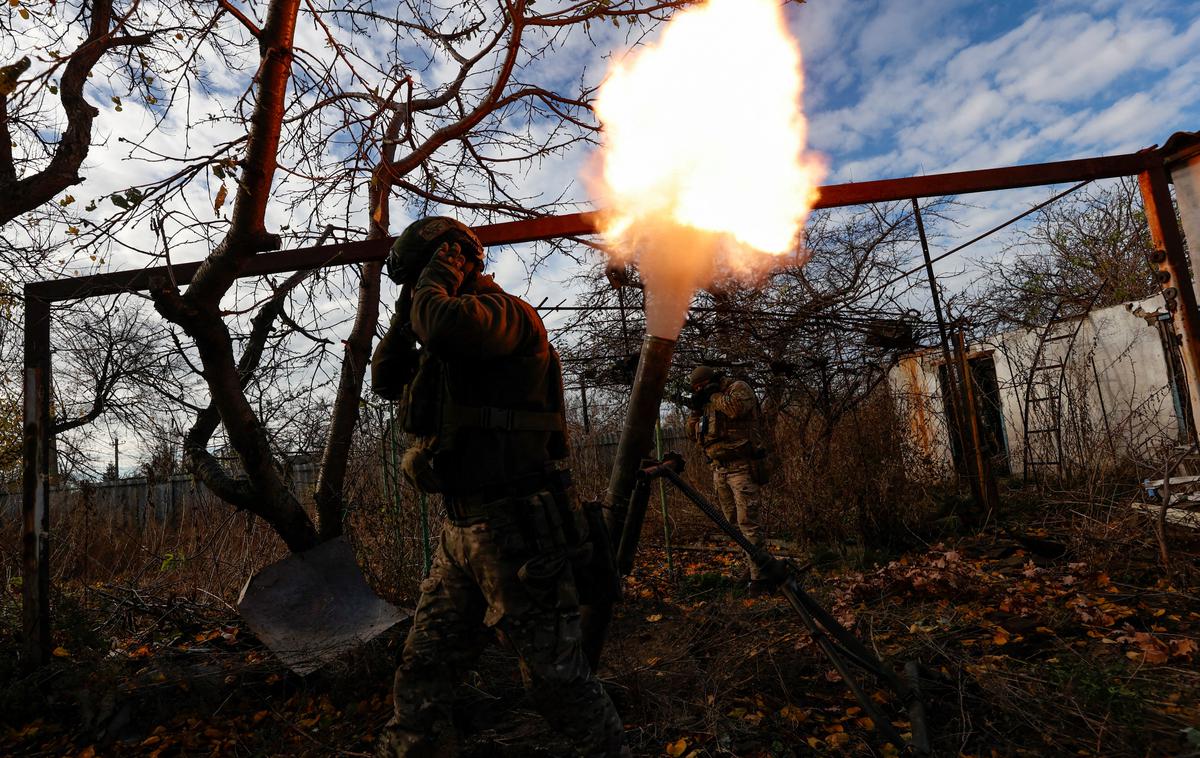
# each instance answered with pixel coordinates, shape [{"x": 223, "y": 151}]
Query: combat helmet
[
  {"x": 702, "y": 375},
  {"x": 416, "y": 245}
]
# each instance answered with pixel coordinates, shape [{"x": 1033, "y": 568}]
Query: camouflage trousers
[
  {"x": 738, "y": 496},
  {"x": 483, "y": 580}
]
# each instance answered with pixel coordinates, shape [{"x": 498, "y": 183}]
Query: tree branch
[{"x": 19, "y": 196}]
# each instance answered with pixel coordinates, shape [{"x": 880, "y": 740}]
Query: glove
[
  {"x": 447, "y": 268},
  {"x": 701, "y": 398}
]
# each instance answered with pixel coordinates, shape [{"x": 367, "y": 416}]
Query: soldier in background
[
  {"x": 482, "y": 395},
  {"x": 724, "y": 414}
]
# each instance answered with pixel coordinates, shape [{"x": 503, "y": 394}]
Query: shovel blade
[{"x": 311, "y": 607}]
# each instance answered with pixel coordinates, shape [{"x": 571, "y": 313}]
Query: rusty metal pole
[
  {"x": 957, "y": 411},
  {"x": 985, "y": 485},
  {"x": 1171, "y": 261},
  {"x": 36, "y": 484}
]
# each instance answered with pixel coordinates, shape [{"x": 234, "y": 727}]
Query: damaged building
[{"x": 1095, "y": 388}]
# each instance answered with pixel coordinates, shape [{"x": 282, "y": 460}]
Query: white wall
[{"x": 1116, "y": 402}]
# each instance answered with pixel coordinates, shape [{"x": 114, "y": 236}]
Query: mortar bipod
[{"x": 841, "y": 647}]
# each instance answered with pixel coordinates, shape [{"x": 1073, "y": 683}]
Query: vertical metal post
[
  {"x": 1171, "y": 260},
  {"x": 958, "y": 413},
  {"x": 1185, "y": 175},
  {"x": 36, "y": 482},
  {"x": 426, "y": 547},
  {"x": 981, "y": 472},
  {"x": 624, "y": 324},
  {"x": 662, "y": 501},
  {"x": 587, "y": 416}
]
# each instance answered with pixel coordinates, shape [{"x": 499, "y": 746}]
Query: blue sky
[
  {"x": 901, "y": 88},
  {"x": 895, "y": 89},
  {"x": 924, "y": 86}
]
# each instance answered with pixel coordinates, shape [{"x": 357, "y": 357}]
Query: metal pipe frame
[{"x": 39, "y": 296}]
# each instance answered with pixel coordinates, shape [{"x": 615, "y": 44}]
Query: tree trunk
[{"x": 198, "y": 311}]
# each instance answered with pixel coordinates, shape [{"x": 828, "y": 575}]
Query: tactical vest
[
  {"x": 490, "y": 425},
  {"x": 724, "y": 438}
]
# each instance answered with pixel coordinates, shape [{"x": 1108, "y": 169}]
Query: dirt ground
[{"x": 1034, "y": 656}]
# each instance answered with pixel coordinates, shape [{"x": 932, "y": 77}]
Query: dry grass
[{"x": 143, "y": 610}]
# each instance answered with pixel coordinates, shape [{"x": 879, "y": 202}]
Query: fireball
[{"x": 703, "y": 163}]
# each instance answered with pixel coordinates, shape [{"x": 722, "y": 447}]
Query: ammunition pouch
[
  {"x": 763, "y": 465},
  {"x": 547, "y": 579},
  {"x": 421, "y": 397},
  {"x": 550, "y": 533}
]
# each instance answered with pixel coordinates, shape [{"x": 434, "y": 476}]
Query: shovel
[{"x": 312, "y": 607}]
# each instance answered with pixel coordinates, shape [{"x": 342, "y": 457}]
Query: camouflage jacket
[
  {"x": 724, "y": 428},
  {"x": 486, "y": 369}
]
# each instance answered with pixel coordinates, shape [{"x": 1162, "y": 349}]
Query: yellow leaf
[
  {"x": 838, "y": 739},
  {"x": 677, "y": 748},
  {"x": 61, "y": 652},
  {"x": 654, "y": 618},
  {"x": 793, "y": 714},
  {"x": 14, "y": 3},
  {"x": 221, "y": 194},
  {"x": 25, "y": 15},
  {"x": 1000, "y": 637}
]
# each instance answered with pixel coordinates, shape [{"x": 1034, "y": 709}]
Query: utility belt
[
  {"x": 725, "y": 452},
  {"x": 500, "y": 499}
]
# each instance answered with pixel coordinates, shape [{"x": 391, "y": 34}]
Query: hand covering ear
[{"x": 448, "y": 268}]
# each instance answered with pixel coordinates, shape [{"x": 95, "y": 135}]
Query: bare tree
[
  {"x": 815, "y": 338},
  {"x": 1091, "y": 247},
  {"x": 449, "y": 143},
  {"x": 37, "y": 174}
]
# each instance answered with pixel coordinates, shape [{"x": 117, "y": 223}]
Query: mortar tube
[
  {"x": 637, "y": 435},
  {"x": 637, "y": 438}
]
